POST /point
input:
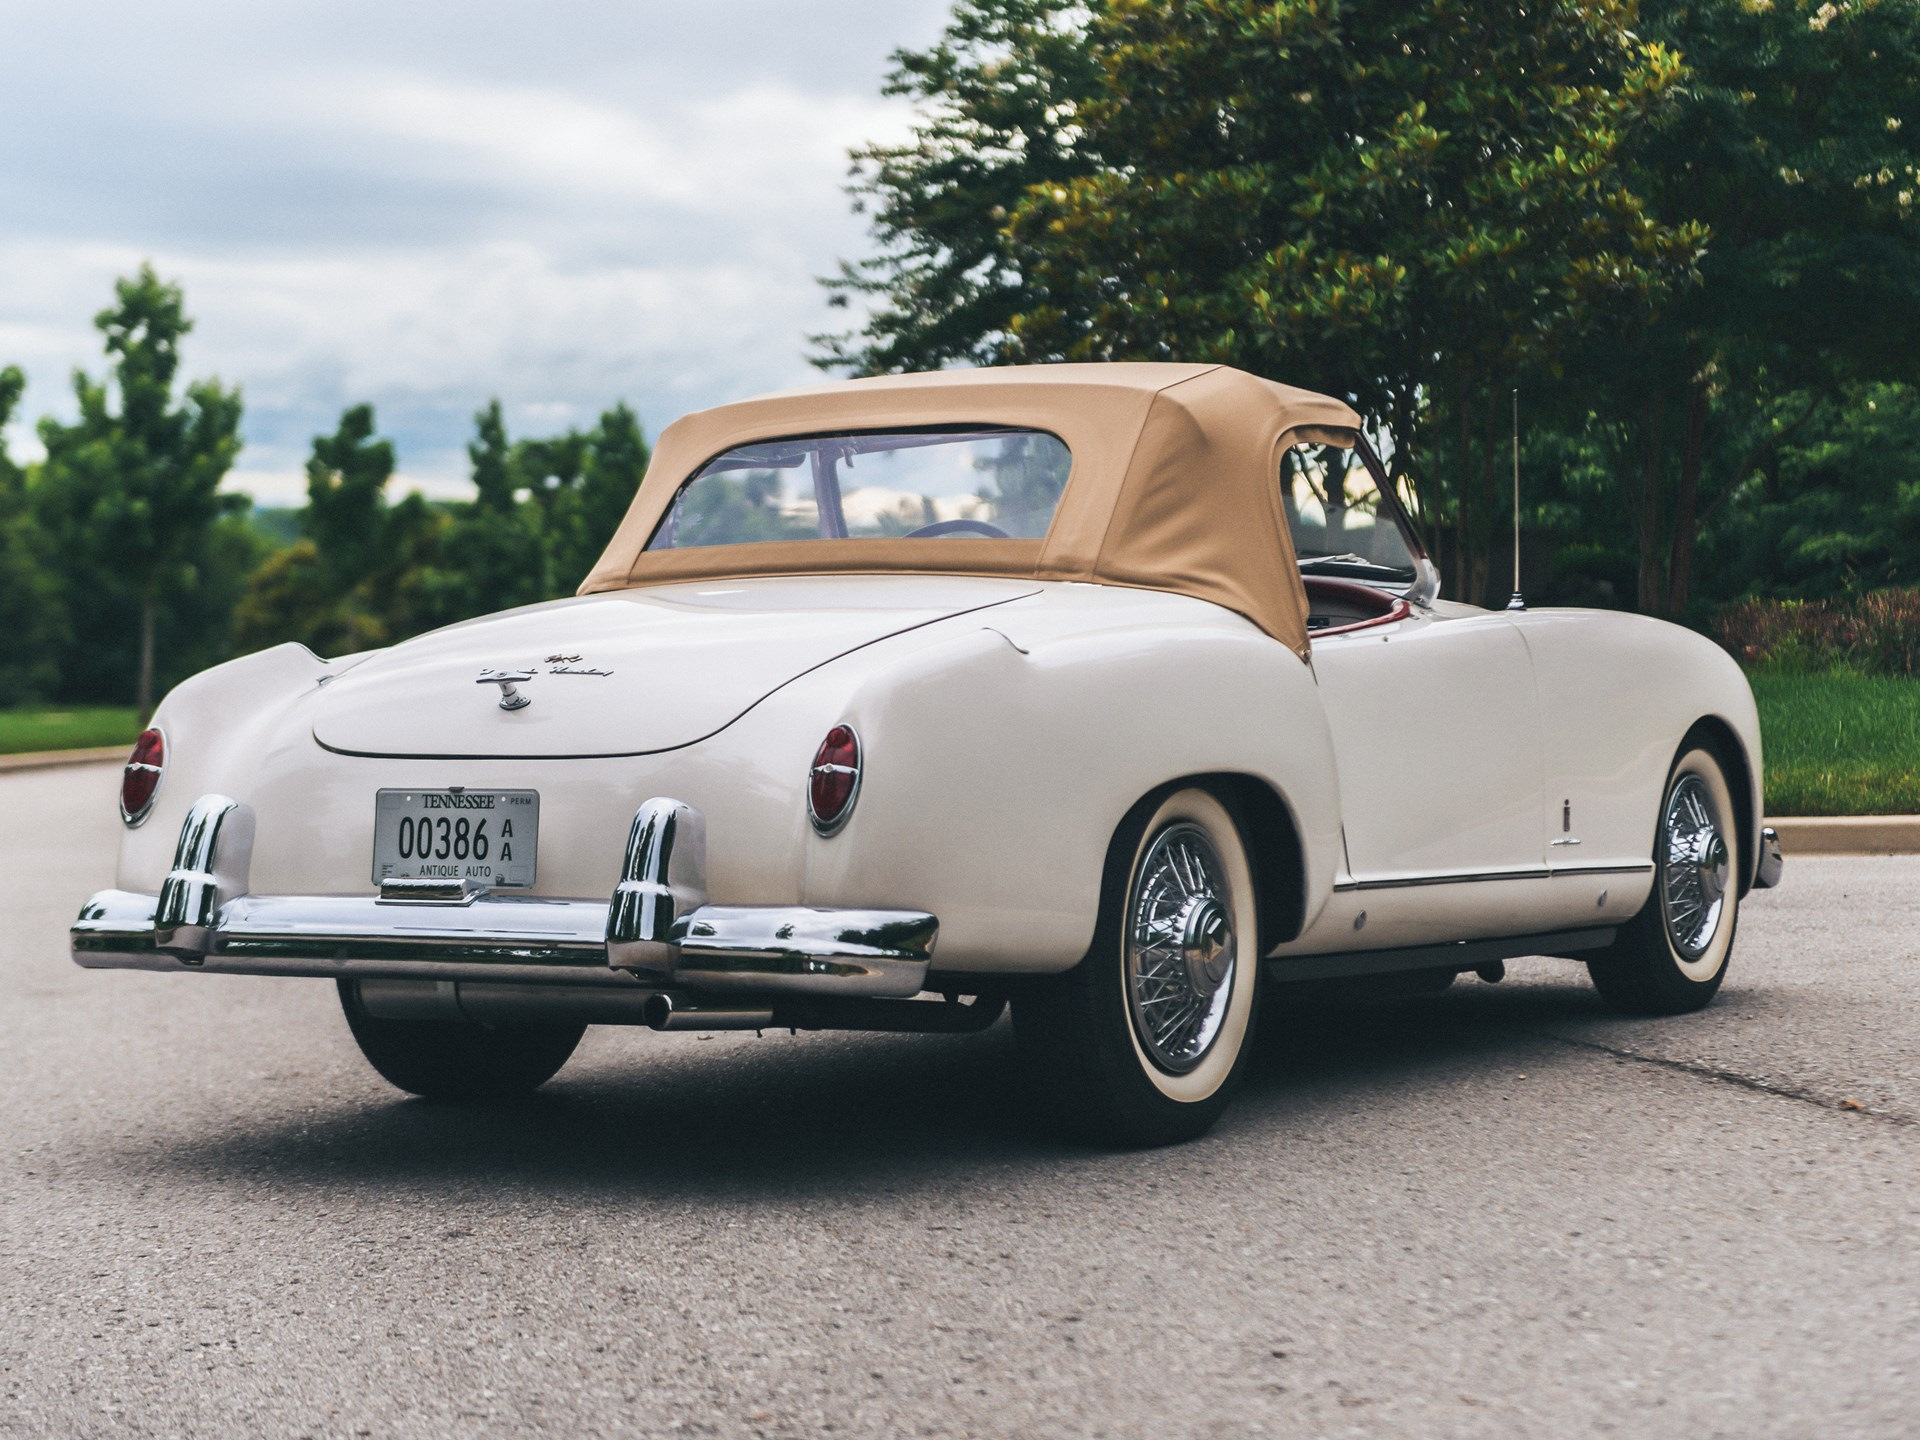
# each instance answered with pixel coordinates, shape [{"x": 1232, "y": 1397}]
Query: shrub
[
  {"x": 1878, "y": 633},
  {"x": 1785, "y": 634},
  {"x": 1887, "y": 633}
]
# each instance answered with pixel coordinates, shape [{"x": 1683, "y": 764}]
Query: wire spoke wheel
[
  {"x": 1696, "y": 870},
  {"x": 1671, "y": 956},
  {"x": 1181, "y": 949},
  {"x": 1146, "y": 1039}
]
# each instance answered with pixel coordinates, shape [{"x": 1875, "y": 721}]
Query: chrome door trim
[{"x": 1481, "y": 877}]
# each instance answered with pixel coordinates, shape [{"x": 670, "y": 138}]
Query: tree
[
  {"x": 346, "y": 584},
  {"x": 1796, "y": 142},
  {"x": 346, "y": 515},
  {"x": 1833, "y": 508},
  {"x": 493, "y": 557},
  {"x": 544, "y": 509},
  {"x": 131, "y": 491},
  {"x": 35, "y": 628},
  {"x": 367, "y": 573},
  {"x": 582, "y": 515},
  {"x": 998, "y": 95},
  {"x": 1410, "y": 204}
]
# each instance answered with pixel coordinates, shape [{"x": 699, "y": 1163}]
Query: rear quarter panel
[{"x": 1001, "y": 760}]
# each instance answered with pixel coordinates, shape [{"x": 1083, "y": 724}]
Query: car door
[{"x": 1435, "y": 722}]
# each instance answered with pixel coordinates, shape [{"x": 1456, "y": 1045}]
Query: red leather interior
[{"x": 1344, "y": 598}]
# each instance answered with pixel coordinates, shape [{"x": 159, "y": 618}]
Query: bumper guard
[{"x": 656, "y": 931}]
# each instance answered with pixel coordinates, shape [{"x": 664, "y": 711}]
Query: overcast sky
[{"x": 424, "y": 204}]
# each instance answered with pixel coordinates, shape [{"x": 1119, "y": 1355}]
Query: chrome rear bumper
[
  {"x": 1771, "y": 864},
  {"x": 655, "y": 932}
]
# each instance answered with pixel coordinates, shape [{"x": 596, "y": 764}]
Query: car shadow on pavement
[{"x": 642, "y": 1115}]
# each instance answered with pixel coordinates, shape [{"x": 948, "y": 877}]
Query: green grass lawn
[
  {"x": 72, "y": 727},
  {"x": 1840, "y": 744}
]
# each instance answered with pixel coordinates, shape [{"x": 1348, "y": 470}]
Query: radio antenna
[{"x": 1516, "y": 602}]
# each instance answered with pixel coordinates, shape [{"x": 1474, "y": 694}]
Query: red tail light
[
  {"x": 141, "y": 778},
  {"x": 834, "y": 781}
]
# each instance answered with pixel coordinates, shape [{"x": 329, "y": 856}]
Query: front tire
[
  {"x": 1671, "y": 957},
  {"x": 1144, "y": 1041},
  {"x": 456, "y": 1061}
]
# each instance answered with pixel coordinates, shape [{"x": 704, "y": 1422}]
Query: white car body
[{"x": 1432, "y": 786}]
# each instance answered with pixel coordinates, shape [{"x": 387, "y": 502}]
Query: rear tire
[
  {"x": 1671, "y": 957},
  {"x": 456, "y": 1061},
  {"x": 1145, "y": 1040}
]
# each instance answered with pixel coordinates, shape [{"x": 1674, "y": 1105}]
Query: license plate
[{"x": 487, "y": 836}]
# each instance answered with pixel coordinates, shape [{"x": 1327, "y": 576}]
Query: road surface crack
[{"x": 1705, "y": 1071}]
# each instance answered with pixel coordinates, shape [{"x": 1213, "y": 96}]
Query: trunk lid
[{"x": 625, "y": 673}]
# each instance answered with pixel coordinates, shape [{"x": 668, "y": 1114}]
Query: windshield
[
  {"x": 1339, "y": 525},
  {"x": 978, "y": 481}
]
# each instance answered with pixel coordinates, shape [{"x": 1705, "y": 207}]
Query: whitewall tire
[
  {"x": 1671, "y": 957},
  {"x": 1144, "y": 1041}
]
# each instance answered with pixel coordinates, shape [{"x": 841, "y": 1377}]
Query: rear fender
[{"x": 995, "y": 776}]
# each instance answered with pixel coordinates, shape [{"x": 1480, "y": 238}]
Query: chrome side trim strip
[
  {"x": 1465, "y": 877},
  {"x": 1480, "y": 877},
  {"x": 1771, "y": 862}
]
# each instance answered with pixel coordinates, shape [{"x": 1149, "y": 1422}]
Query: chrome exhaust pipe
[{"x": 671, "y": 1012}]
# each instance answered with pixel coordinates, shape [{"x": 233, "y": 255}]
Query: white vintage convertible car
[{"x": 1116, "y": 693}]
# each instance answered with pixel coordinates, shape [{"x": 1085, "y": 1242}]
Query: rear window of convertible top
[{"x": 982, "y": 481}]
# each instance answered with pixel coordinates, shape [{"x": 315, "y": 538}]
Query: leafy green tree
[
  {"x": 583, "y": 511},
  {"x": 346, "y": 584},
  {"x": 491, "y": 456},
  {"x": 492, "y": 557},
  {"x": 1796, "y": 142},
  {"x": 998, "y": 95},
  {"x": 129, "y": 491},
  {"x": 544, "y": 509},
  {"x": 347, "y": 516},
  {"x": 367, "y": 573},
  {"x": 1835, "y": 508},
  {"x": 35, "y": 628},
  {"x": 1408, "y": 203}
]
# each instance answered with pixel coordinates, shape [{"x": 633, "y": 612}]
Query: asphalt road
[{"x": 1495, "y": 1212}]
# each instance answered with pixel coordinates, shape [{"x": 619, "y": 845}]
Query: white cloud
[
  {"x": 766, "y": 146},
  {"x": 430, "y": 336},
  {"x": 606, "y": 202}
]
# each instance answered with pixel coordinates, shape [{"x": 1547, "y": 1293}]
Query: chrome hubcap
[
  {"x": 1698, "y": 870},
  {"x": 1180, "y": 948}
]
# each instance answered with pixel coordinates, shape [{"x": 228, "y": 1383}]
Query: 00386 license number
[
  {"x": 486, "y": 836},
  {"x": 434, "y": 837}
]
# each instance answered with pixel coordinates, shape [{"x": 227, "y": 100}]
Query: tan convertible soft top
[{"x": 1174, "y": 483}]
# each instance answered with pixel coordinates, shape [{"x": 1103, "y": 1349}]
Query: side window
[{"x": 1338, "y": 524}]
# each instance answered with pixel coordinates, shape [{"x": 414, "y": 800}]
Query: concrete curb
[
  {"x": 41, "y": 759},
  {"x": 1849, "y": 835}
]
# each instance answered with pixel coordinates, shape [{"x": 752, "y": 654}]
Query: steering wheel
[{"x": 957, "y": 527}]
